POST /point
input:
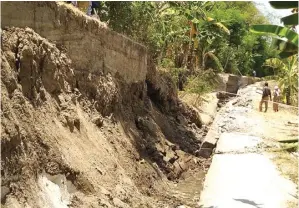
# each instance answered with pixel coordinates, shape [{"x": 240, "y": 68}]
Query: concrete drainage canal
[{"x": 191, "y": 184}]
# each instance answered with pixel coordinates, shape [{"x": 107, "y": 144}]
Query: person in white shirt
[
  {"x": 254, "y": 73},
  {"x": 276, "y": 98}
]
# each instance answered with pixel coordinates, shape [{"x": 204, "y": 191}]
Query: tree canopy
[{"x": 194, "y": 35}]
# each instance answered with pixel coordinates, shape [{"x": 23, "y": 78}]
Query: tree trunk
[
  {"x": 178, "y": 59},
  {"x": 185, "y": 59},
  {"x": 203, "y": 58},
  {"x": 203, "y": 64},
  {"x": 162, "y": 53},
  {"x": 196, "y": 62},
  {"x": 288, "y": 95},
  {"x": 226, "y": 61},
  {"x": 190, "y": 58}
]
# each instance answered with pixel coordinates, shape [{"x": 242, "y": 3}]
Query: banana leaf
[
  {"x": 218, "y": 24},
  {"x": 276, "y": 30},
  {"x": 284, "y": 4},
  {"x": 283, "y": 45},
  {"x": 216, "y": 60},
  {"x": 284, "y": 54},
  {"x": 290, "y": 20},
  {"x": 287, "y": 49}
]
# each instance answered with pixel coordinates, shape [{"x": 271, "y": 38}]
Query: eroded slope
[{"x": 84, "y": 138}]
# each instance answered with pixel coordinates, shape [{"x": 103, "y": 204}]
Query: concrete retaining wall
[
  {"x": 231, "y": 83},
  {"x": 90, "y": 44},
  {"x": 228, "y": 82}
]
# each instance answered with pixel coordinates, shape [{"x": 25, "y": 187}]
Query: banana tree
[
  {"x": 214, "y": 58},
  {"x": 285, "y": 38},
  {"x": 176, "y": 38},
  {"x": 205, "y": 51},
  {"x": 288, "y": 76},
  {"x": 202, "y": 37}
]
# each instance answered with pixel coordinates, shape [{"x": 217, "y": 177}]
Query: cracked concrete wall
[{"x": 90, "y": 44}]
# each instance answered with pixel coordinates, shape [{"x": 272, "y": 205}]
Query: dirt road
[{"x": 247, "y": 168}]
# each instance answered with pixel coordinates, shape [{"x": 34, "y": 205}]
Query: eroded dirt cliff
[{"x": 72, "y": 137}]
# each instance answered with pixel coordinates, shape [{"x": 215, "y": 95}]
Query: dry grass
[
  {"x": 292, "y": 204},
  {"x": 287, "y": 164},
  {"x": 286, "y": 160},
  {"x": 192, "y": 98}
]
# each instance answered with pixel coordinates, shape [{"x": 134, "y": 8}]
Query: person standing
[
  {"x": 265, "y": 97},
  {"x": 276, "y": 96},
  {"x": 95, "y": 5},
  {"x": 254, "y": 73},
  {"x": 74, "y": 3}
]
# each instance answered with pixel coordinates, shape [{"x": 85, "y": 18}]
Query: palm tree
[{"x": 288, "y": 76}]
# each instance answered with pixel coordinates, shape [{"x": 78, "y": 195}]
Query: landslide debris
[{"x": 76, "y": 138}]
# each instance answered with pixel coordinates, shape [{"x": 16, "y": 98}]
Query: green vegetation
[
  {"x": 191, "y": 38},
  {"x": 194, "y": 35},
  {"x": 286, "y": 41},
  {"x": 202, "y": 82},
  {"x": 287, "y": 71},
  {"x": 285, "y": 38}
]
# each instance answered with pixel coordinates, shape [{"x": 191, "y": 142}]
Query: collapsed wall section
[
  {"x": 95, "y": 116},
  {"x": 232, "y": 83},
  {"x": 90, "y": 44}
]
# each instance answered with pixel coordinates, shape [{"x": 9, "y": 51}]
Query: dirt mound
[{"x": 80, "y": 138}]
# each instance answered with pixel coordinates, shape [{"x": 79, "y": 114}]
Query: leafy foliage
[
  {"x": 194, "y": 36},
  {"x": 287, "y": 70},
  {"x": 288, "y": 47},
  {"x": 201, "y": 83},
  {"x": 284, "y": 4},
  {"x": 291, "y": 19},
  {"x": 286, "y": 40},
  {"x": 276, "y": 30}
]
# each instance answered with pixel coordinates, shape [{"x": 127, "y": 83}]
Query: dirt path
[{"x": 249, "y": 168}]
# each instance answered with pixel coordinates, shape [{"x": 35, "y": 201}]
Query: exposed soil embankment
[{"x": 81, "y": 137}]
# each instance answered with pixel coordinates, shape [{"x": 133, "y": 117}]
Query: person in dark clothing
[
  {"x": 265, "y": 97},
  {"x": 95, "y": 5}
]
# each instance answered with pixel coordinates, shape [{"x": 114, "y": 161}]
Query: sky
[{"x": 273, "y": 15}]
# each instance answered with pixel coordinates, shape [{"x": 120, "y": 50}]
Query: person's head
[
  {"x": 266, "y": 84},
  {"x": 276, "y": 88}
]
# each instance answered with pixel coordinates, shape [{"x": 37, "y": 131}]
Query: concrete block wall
[{"x": 90, "y": 44}]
